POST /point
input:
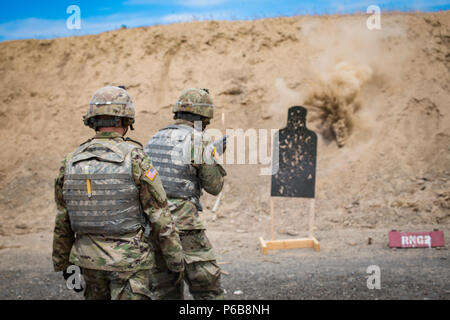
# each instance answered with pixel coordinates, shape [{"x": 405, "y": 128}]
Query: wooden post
[
  {"x": 272, "y": 222},
  {"x": 312, "y": 205},
  {"x": 273, "y": 244},
  {"x": 216, "y": 204}
]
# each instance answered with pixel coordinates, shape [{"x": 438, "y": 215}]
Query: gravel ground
[{"x": 337, "y": 272}]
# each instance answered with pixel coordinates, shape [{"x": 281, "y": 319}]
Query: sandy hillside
[{"x": 378, "y": 99}]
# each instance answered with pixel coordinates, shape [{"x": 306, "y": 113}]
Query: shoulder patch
[{"x": 151, "y": 173}]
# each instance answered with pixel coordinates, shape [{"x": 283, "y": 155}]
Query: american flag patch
[{"x": 151, "y": 173}]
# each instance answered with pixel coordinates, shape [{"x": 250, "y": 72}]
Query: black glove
[{"x": 66, "y": 276}]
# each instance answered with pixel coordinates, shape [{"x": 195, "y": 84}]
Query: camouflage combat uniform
[
  {"x": 202, "y": 272},
  {"x": 117, "y": 267}
]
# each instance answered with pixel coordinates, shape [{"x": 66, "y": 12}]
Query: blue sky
[{"x": 47, "y": 19}]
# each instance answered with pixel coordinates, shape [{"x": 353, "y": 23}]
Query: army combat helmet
[
  {"x": 195, "y": 101},
  {"x": 111, "y": 101}
]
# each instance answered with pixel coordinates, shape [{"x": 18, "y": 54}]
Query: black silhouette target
[{"x": 297, "y": 149}]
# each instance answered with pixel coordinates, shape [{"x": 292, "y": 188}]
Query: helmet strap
[
  {"x": 188, "y": 116},
  {"x": 114, "y": 122},
  {"x": 191, "y": 118}
]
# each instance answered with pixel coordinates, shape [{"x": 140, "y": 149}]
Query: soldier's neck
[
  {"x": 119, "y": 130},
  {"x": 185, "y": 122}
]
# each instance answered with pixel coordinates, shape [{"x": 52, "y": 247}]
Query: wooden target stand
[
  {"x": 310, "y": 242},
  {"x": 295, "y": 144}
]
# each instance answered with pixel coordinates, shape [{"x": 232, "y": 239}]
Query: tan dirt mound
[{"x": 382, "y": 94}]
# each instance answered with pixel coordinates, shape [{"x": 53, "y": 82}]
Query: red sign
[{"x": 431, "y": 239}]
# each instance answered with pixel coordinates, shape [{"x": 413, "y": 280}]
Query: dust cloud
[{"x": 335, "y": 99}]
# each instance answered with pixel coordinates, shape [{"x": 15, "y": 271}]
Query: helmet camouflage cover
[
  {"x": 196, "y": 101},
  {"x": 110, "y": 101}
]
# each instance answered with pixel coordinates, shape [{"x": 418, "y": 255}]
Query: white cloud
[
  {"x": 145, "y": 2},
  {"x": 425, "y": 5},
  {"x": 45, "y": 28},
  {"x": 361, "y": 5},
  {"x": 175, "y": 18},
  {"x": 34, "y": 28},
  {"x": 200, "y": 3},
  {"x": 181, "y": 3},
  {"x": 186, "y": 17}
]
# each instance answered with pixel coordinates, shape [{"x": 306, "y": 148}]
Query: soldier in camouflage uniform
[
  {"x": 109, "y": 197},
  {"x": 184, "y": 157}
]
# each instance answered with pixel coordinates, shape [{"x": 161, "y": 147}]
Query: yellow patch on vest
[{"x": 89, "y": 188}]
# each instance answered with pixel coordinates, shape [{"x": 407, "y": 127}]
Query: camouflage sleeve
[
  {"x": 164, "y": 234},
  {"x": 63, "y": 236},
  {"x": 211, "y": 175}
]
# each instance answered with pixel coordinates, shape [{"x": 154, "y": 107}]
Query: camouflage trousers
[
  {"x": 110, "y": 285},
  {"x": 202, "y": 273}
]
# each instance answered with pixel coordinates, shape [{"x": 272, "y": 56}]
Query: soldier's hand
[{"x": 220, "y": 145}]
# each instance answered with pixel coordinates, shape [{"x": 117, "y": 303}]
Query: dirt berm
[{"x": 378, "y": 99}]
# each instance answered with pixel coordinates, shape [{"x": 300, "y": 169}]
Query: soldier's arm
[
  {"x": 63, "y": 236},
  {"x": 154, "y": 204},
  {"x": 211, "y": 174},
  {"x": 212, "y": 177}
]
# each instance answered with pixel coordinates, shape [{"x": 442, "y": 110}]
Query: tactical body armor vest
[
  {"x": 99, "y": 190},
  {"x": 170, "y": 150}
]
